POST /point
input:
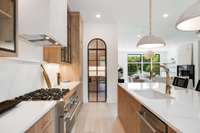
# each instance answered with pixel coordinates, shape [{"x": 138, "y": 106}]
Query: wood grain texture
[
  {"x": 52, "y": 54},
  {"x": 127, "y": 108},
  {"x": 98, "y": 118},
  {"x": 170, "y": 130},
  {"x": 73, "y": 71},
  {"x": 45, "y": 125}
]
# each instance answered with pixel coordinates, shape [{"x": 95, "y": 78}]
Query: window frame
[{"x": 142, "y": 62}]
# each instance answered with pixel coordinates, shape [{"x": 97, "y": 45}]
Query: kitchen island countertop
[{"x": 181, "y": 111}]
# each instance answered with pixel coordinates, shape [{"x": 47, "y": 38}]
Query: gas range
[{"x": 44, "y": 94}]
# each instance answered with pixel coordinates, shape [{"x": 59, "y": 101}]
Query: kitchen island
[{"x": 180, "y": 111}]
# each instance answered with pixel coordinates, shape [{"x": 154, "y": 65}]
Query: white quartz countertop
[
  {"x": 181, "y": 112},
  {"x": 68, "y": 85},
  {"x": 24, "y": 115}
]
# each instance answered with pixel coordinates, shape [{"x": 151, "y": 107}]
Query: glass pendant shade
[
  {"x": 190, "y": 19},
  {"x": 151, "y": 41}
]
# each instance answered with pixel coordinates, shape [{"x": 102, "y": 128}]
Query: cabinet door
[
  {"x": 8, "y": 42},
  {"x": 58, "y": 20},
  {"x": 127, "y": 108},
  {"x": 52, "y": 54}
]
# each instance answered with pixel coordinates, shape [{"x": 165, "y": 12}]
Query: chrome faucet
[{"x": 168, "y": 80}]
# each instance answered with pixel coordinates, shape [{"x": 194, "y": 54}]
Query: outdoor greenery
[{"x": 138, "y": 61}]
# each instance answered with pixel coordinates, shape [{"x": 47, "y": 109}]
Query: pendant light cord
[{"x": 150, "y": 17}]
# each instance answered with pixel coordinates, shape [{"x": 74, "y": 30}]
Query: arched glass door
[{"x": 97, "y": 71}]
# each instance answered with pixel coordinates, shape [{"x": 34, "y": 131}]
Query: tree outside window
[{"x": 138, "y": 63}]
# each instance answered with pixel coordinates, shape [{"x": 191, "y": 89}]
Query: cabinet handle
[{"x": 146, "y": 122}]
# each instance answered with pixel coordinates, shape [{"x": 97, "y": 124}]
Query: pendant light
[
  {"x": 151, "y": 41},
  {"x": 190, "y": 19}
]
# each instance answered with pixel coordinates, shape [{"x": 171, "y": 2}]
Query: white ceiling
[{"x": 131, "y": 18}]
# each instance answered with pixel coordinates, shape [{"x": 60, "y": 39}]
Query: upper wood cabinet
[
  {"x": 59, "y": 55},
  {"x": 43, "y": 17},
  {"x": 8, "y": 43},
  {"x": 73, "y": 71}
]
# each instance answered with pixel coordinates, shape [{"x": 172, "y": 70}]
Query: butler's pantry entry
[{"x": 97, "y": 71}]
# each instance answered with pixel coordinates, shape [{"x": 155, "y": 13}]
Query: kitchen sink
[{"x": 152, "y": 94}]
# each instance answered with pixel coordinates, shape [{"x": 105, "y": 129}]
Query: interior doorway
[{"x": 97, "y": 71}]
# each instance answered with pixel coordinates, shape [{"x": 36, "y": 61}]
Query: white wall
[
  {"x": 19, "y": 77},
  {"x": 196, "y": 60},
  {"x": 185, "y": 54},
  {"x": 108, "y": 33}
]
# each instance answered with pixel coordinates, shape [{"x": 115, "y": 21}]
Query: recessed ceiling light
[
  {"x": 56, "y": 43},
  {"x": 165, "y": 15},
  {"x": 98, "y": 15}
]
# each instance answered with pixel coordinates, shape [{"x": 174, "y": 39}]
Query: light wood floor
[{"x": 98, "y": 118}]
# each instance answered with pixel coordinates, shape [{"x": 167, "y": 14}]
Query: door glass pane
[
  {"x": 92, "y": 55},
  {"x": 101, "y": 71},
  {"x": 101, "y": 55},
  {"x": 92, "y": 88},
  {"x": 101, "y": 44},
  {"x": 93, "y": 44},
  {"x": 101, "y": 89},
  {"x": 102, "y": 63}
]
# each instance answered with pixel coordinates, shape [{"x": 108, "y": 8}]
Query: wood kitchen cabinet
[
  {"x": 73, "y": 71},
  {"x": 59, "y": 55},
  {"x": 128, "y": 109},
  {"x": 8, "y": 17},
  {"x": 45, "y": 125}
]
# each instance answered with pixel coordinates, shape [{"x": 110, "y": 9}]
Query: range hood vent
[{"x": 41, "y": 40}]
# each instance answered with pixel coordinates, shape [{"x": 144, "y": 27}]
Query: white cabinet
[{"x": 43, "y": 17}]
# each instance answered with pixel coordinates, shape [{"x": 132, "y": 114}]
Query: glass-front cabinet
[{"x": 8, "y": 28}]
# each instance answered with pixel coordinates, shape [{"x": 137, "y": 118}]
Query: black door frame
[{"x": 105, "y": 49}]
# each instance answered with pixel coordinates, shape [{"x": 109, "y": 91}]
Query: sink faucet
[{"x": 168, "y": 83}]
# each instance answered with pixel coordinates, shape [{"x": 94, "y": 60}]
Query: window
[{"x": 139, "y": 64}]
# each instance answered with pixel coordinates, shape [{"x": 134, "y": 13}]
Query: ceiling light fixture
[
  {"x": 165, "y": 15},
  {"x": 98, "y": 15},
  {"x": 190, "y": 19},
  {"x": 150, "y": 41}
]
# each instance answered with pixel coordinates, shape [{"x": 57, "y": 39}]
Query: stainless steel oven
[{"x": 70, "y": 112}]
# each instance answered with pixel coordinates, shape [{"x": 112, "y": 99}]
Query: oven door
[{"x": 70, "y": 117}]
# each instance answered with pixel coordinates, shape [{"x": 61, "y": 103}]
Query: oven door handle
[
  {"x": 146, "y": 122},
  {"x": 74, "y": 112}
]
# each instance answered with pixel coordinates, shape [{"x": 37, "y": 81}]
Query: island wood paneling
[{"x": 128, "y": 107}]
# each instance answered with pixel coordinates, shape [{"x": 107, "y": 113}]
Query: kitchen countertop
[
  {"x": 181, "y": 112},
  {"x": 24, "y": 115},
  {"x": 27, "y": 113},
  {"x": 70, "y": 85}
]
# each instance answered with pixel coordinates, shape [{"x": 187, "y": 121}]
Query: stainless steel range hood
[{"x": 41, "y": 40}]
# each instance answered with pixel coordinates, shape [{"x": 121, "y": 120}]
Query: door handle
[{"x": 146, "y": 122}]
